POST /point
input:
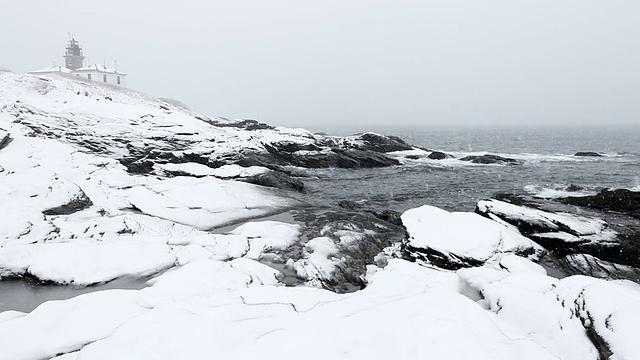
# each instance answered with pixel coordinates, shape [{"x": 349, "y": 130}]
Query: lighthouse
[{"x": 73, "y": 57}]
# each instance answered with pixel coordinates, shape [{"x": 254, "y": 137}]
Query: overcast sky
[{"x": 318, "y": 64}]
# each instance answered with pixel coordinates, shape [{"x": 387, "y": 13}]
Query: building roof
[
  {"x": 99, "y": 68},
  {"x": 52, "y": 69}
]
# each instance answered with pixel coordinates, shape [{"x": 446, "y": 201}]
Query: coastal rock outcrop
[
  {"x": 620, "y": 200},
  {"x": 438, "y": 155},
  {"x": 582, "y": 243},
  {"x": 587, "y": 154},
  {"x": 453, "y": 240},
  {"x": 490, "y": 159}
]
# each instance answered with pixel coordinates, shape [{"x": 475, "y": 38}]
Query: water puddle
[
  {"x": 285, "y": 217},
  {"x": 22, "y": 295}
]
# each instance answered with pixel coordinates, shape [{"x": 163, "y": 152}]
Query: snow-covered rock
[
  {"x": 84, "y": 262},
  {"x": 455, "y": 239},
  {"x": 560, "y": 226},
  {"x": 236, "y": 310}
]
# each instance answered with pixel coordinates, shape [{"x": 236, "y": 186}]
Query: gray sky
[{"x": 319, "y": 64}]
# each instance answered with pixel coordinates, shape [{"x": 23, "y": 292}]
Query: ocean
[{"x": 548, "y": 167}]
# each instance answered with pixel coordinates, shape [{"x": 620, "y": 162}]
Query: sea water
[{"x": 548, "y": 166}]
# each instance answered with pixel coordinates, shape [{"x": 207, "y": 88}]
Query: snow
[
  {"x": 319, "y": 260},
  {"x": 204, "y": 203},
  {"x": 100, "y": 68},
  {"x": 265, "y": 236},
  {"x": 464, "y": 235},
  {"x": 85, "y": 263},
  {"x": 237, "y": 310},
  {"x": 583, "y": 227},
  {"x": 223, "y": 172},
  {"x": 210, "y": 297},
  {"x": 52, "y": 69},
  {"x": 609, "y": 309}
]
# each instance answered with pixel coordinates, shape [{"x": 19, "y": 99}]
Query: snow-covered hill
[{"x": 98, "y": 183}]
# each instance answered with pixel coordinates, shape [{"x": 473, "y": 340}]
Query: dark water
[
  {"x": 547, "y": 156},
  {"x": 21, "y": 295}
]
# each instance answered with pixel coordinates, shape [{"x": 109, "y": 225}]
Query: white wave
[{"x": 557, "y": 191}]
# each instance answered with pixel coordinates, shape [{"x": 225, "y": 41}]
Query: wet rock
[
  {"x": 490, "y": 159},
  {"x": 137, "y": 166},
  {"x": 621, "y": 200},
  {"x": 246, "y": 124},
  {"x": 337, "y": 158},
  {"x": 588, "y": 265},
  {"x": 574, "y": 188},
  {"x": 382, "y": 143},
  {"x": 78, "y": 203},
  {"x": 413, "y": 157},
  {"x": 512, "y": 198},
  {"x": 587, "y": 154},
  {"x": 358, "y": 237},
  {"x": 438, "y": 155},
  {"x": 276, "y": 179},
  {"x": 5, "y": 139},
  {"x": 567, "y": 234}
]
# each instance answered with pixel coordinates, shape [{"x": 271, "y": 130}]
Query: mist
[{"x": 355, "y": 64}]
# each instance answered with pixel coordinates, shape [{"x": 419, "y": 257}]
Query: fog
[{"x": 323, "y": 64}]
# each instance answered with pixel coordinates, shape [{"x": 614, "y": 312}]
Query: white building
[
  {"x": 75, "y": 65},
  {"x": 101, "y": 73}
]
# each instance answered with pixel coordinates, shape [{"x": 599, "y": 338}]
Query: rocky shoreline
[{"x": 100, "y": 184}]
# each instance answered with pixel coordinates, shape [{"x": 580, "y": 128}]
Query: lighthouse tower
[{"x": 73, "y": 57}]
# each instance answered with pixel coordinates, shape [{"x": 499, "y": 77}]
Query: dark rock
[
  {"x": 390, "y": 216},
  {"x": 620, "y": 200},
  {"x": 78, "y": 203},
  {"x": 4, "y": 141},
  {"x": 573, "y": 188},
  {"x": 446, "y": 261},
  {"x": 622, "y": 248},
  {"x": 137, "y": 166},
  {"x": 337, "y": 158},
  {"x": 587, "y": 154},
  {"x": 350, "y": 205},
  {"x": 490, "y": 159},
  {"x": 437, "y": 155},
  {"x": 368, "y": 158},
  {"x": 413, "y": 157},
  {"x": 383, "y": 143},
  {"x": 246, "y": 124},
  {"x": 592, "y": 266},
  {"x": 275, "y": 179},
  {"x": 289, "y": 147},
  {"x": 510, "y": 198},
  {"x": 374, "y": 235}
]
